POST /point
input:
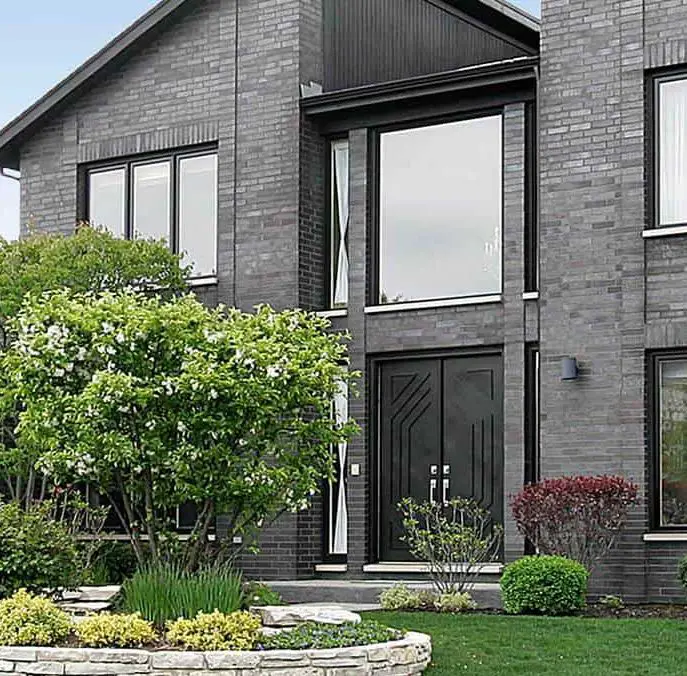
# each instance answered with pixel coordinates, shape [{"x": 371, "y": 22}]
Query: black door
[{"x": 441, "y": 435}]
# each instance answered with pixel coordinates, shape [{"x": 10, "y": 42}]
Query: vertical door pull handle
[
  {"x": 432, "y": 490},
  {"x": 446, "y": 484}
]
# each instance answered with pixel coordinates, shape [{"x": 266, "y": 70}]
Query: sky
[{"x": 43, "y": 41}]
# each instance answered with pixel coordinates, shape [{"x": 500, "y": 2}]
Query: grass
[
  {"x": 499, "y": 645},
  {"x": 165, "y": 592}
]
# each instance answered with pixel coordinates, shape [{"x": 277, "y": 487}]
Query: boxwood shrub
[{"x": 547, "y": 585}]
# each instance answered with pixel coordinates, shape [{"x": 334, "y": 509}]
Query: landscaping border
[{"x": 408, "y": 657}]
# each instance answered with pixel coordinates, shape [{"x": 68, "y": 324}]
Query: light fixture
[{"x": 569, "y": 369}]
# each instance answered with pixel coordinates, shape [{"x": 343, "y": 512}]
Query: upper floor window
[
  {"x": 172, "y": 198},
  {"x": 338, "y": 223},
  {"x": 440, "y": 211},
  {"x": 670, "y": 120}
]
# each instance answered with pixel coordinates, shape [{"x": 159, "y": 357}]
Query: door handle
[
  {"x": 432, "y": 491},
  {"x": 445, "y": 486}
]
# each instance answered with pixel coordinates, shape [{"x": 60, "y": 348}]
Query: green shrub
[
  {"x": 549, "y": 585},
  {"x": 399, "y": 597},
  {"x": 165, "y": 592},
  {"x": 682, "y": 571},
  {"x": 612, "y": 602},
  {"x": 31, "y": 620},
  {"x": 260, "y": 594},
  {"x": 455, "y": 602},
  {"x": 115, "y": 631},
  {"x": 113, "y": 563},
  {"x": 36, "y": 552},
  {"x": 216, "y": 631},
  {"x": 313, "y": 636}
]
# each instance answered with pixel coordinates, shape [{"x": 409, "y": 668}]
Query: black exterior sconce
[{"x": 569, "y": 369}]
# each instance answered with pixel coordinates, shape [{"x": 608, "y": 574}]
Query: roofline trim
[
  {"x": 515, "y": 13},
  {"x": 84, "y": 72}
]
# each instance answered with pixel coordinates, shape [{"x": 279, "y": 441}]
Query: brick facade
[{"x": 231, "y": 75}]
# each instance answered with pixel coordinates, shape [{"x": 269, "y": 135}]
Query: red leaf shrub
[{"x": 577, "y": 517}]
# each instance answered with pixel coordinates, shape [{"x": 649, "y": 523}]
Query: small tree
[
  {"x": 577, "y": 517},
  {"x": 455, "y": 539},
  {"x": 164, "y": 403},
  {"x": 90, "y": 260}
]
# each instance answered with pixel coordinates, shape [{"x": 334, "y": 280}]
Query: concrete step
[{"x": 361, "y": 593}]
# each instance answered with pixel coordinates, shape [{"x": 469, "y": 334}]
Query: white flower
[
  {"x": 273, "y": 372},
  {"x": 107, "y": 327},
  {"x": 213, "y": 394},
  {"x": 59, "y": 372},
  {"x": 120, "y": 337},
  {"x": 181, "y": 427}
]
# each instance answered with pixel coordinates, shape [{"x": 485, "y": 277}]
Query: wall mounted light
[{"x": 569, "y": 369}]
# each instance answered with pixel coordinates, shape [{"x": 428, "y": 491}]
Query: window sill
[
  {"x": 665, "y": 232},
  {"x": 665, "y": 536},
  {"x": 330, "y": 314},
  {"x": 331, "y": 568},
  {"x": 203, "y": 281},
  {"x": 431, "y": 304},
  {"x": 530, "y": 295}
]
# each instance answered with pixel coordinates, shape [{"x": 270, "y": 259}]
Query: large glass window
[
  {"x": 339, "y": 216},
  {"x": 151, "y": 201},
  {"x": 672, "y": 151},
  {"x": 107, "y": 194},
  {"x": 172, "y": 198},
  {"x": 672, "y": 441},
  {"x": 440, "y": 211},
  {"x": 198, "y": 212}
]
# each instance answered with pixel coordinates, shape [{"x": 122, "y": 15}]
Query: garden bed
[{"x": 406, "y": 657}]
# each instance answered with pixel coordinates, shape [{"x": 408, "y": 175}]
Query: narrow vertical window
[
  {"x": 672, "y": 441},
  {"x": 339, "y": 210},
  {"x": 107, "y": 200},
  {"x": 531, "y": 201},
  {"x": 532, "y": 443},
  {"x": 672, "y": 151},
  {"x": 151, "y": 193},
  {"x": 198, "y": 214},
  {"x": 337, "y": 498}
]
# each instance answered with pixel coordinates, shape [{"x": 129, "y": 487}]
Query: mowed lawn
[{"x": 489, "y": 644}]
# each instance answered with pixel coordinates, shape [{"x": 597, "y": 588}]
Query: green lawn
[{"x": 483, "y": 644}]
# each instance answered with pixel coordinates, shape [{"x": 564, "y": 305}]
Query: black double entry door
[{"x": 440, "y": 436}]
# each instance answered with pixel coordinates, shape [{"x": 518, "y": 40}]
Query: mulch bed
[{"x": 650, "y": 612}]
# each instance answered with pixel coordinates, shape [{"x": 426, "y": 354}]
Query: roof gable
[{"x": 373, "y": 41}]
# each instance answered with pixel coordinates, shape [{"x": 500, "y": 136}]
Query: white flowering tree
[{"x": 156, "y": 403}]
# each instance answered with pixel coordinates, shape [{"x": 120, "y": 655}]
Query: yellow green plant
[
  {"x": 216, "y": 631},
  {"x": 115, "y": 631},
  {"x": 31, "y": 620}
]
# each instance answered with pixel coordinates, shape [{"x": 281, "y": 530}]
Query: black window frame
[
  {"x": 174, "y": 158},
  {"x": 654, "y": 361},
  {"x": 375, "y": 174},
  {"x": 653, "y": 140},
  {"x": 532, "y": 414},
  {"x": 531, "y": 199}
]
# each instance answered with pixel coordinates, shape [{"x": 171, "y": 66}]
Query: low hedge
[{"x": 546, "y": 585}]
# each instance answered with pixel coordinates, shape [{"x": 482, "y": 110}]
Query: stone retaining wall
[{"x": 407, "y": 657}]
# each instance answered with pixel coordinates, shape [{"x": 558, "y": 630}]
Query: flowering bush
[
  {"x": 169, "y": 402},
  {"x": 577, "y": 517}
]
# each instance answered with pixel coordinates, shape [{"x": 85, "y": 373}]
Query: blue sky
[{"x": 43, "y": 41}]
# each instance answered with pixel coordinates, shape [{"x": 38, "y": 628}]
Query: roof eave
[{"x": 12, "y": 133}]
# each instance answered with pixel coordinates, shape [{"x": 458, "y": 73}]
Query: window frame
[
  {"x": 174, "y": 158},
  {"x": 654, "y": 139},
  {"x": 375, "y": 174},
  {"x": 654, "y": 460},
  {"x": 329, "y": 281}
]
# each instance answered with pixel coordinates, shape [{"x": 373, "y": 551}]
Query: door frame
[{"x": 375, "y": 362}]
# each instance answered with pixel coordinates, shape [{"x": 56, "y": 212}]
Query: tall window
[
  {"x": 440, "y": 211},
  {"x": 670, "y": 440},
  {"x": 172, "y": 198},
  {"x": 671, "y": 150},
  {"x": 338, "y": 228},
  {"x": 336, "y": 525}
]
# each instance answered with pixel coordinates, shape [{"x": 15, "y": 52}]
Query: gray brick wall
[{"x": 607, "y": 295}]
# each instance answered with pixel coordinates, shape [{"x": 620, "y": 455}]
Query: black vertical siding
[{"x": 371, "y": 41}]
